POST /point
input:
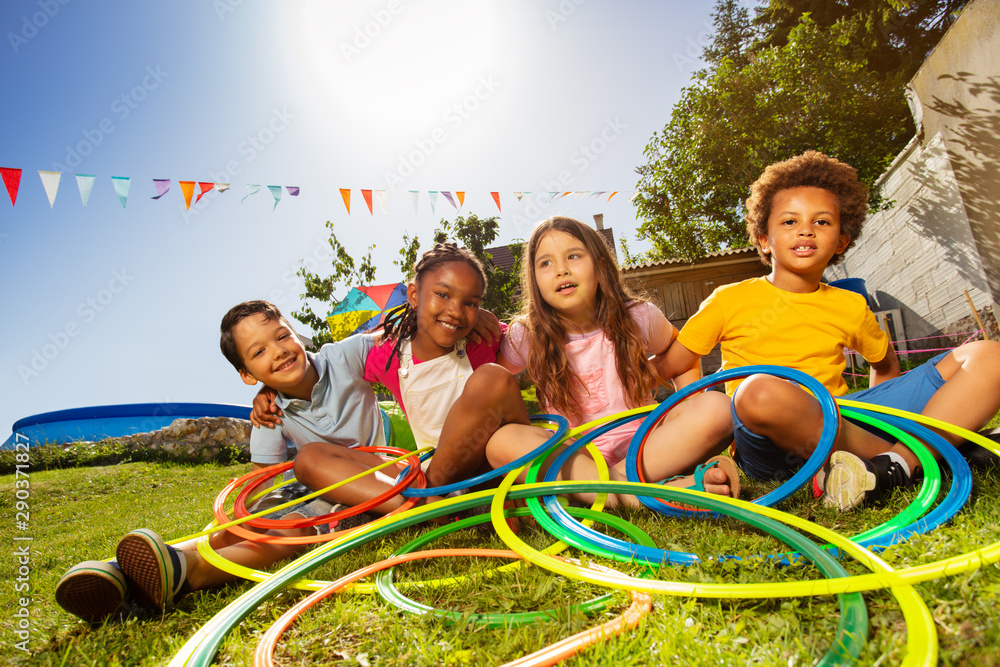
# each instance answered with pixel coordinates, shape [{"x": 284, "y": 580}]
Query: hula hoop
[
  {"x": 827, "y": 440},
  {"x": 387, "y": 589},
  {"x": 240, "y": 509},
  {"x": 562, "y": 425}
]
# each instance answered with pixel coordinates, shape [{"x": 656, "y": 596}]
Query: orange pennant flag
[
  {"x": 496, "y": 198},
  {"x": 345, "y": 194},
  {"x": 461, "y": 198},
  {"x": 612, "y": 195},
  {"x": 204, "y": 187},
  {"x": 187, "y": 187},
  {"x": 367, "y": 194}
]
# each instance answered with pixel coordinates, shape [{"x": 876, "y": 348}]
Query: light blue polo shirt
[{"x": 343, "y": 409}]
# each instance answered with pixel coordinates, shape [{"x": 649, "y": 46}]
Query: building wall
[{"x": 941, "y": 237}]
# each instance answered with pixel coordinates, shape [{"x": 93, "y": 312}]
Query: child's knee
[
  {"x": 492, "y": 380},
  {"x": 757, "y": 397}
]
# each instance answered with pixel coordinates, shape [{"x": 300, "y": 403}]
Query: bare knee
[
  {"x": 309, "y": 458},
  {"x": 490, "y": 380},
  {"x": 757, "y": 399}
]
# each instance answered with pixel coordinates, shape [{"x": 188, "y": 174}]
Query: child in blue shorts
[{"x": 803, "y": 214}]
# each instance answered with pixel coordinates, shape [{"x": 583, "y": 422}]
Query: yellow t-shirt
[{"x": 758, "y": 323}]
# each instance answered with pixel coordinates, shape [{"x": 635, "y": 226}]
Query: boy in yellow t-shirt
[{"x": 802, "y": 215}]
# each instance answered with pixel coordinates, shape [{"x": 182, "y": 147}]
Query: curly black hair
[{"x": 814, "y": 169}]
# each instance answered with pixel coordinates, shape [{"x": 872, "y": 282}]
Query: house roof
[
  {"x": 730, "y": 253},
  {"x": 503, "y": 259}
]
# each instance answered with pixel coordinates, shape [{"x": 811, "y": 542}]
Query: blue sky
[{"x": 107, "y": 305}]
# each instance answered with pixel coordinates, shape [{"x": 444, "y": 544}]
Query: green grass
[{"x": 78, "y": 514}]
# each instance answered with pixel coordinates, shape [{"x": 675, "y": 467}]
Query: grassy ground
[{"x": 80, "y": 513}]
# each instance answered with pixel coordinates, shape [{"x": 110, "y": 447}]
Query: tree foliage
[
  {"x": 800, "y": 74},
  {"x": 472, "y": 232}
]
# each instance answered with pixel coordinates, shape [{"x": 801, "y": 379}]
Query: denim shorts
[
  {"x": 309, "y": 509},
  {"x": 761, "y": 459}
]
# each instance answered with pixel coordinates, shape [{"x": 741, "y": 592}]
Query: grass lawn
[{"x": 80, "y": 513}]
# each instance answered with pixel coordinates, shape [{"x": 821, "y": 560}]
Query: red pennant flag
[
  {"x": 496, "y": 198},
  {"x": 345, "y": 194},
  {"x": 187, "y": 187},
  {"x": 12, "y": 179},
  {"x": 461, "y": 198},
  {"x": 204, "y": 187},
  {"x": 367, "y": 194}
]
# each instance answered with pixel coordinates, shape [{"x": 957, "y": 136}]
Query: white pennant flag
[
  {"x": 380, "y": 194},
  {"x": 414, "y": 195},
  {"x": 50, "y": 181},
  {"x": 518, "y": 195}
]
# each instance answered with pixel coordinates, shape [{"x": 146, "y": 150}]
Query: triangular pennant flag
[
  {"x": 595, "y": 195},
  {"x": 162, "y": 186},
  {"x": 50, "y": 181},
  {"x": 122, "y": 184},
  {"x": 447, "y": 195},
  {"x": 381, "y": 198},
  {"x": 612, "y": 195},
  {"x": 221, "y": 187},
  {"x": 552, "y": 195},
  {"x": 12, "y": 179},
  {"x": 86, "y": 183},
  {"x": 253, "y": 189},
  {"x": 203, "y": 187},
  {"x": 461, "y": 199},
  {"x": 345, "y": 194},
  {"x": 414, "y": 197},
  {"x": 518, "y": 195},
  {"x": 367, "y": 194},
  {"x": 276, "y": 193},
  {"x": 496, "y": 198},
  {"x": 564, "y": 194},
  {"x": 293, "y": 190},
  {"x": 187, "y": 187},
  {"x": 433, "y": 197}
]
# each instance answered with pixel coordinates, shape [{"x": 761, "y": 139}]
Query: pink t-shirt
[
  {"x": 591, "y": 357},
  {"x": 375, "y": 370}
]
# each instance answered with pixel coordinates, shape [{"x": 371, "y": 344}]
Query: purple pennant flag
[
  {"x": 293, "y": 190},
  {"x": 162, "y": 186},
  {"x": 447, "y": 195}
]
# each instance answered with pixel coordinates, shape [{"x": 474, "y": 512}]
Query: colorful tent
[{"x": 363, "y": 308}]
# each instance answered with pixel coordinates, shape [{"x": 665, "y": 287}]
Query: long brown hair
[{"x": 557, "y": 384}]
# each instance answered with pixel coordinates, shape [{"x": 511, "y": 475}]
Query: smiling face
[
  {"x": 446, "y": 301},
  {"x": 803, "y": 234},
  {"x": 273, "y": 355},
  {"x": 566, "y": 276}
]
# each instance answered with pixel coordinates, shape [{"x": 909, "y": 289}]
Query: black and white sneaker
[{"x": 851, "y": 480}]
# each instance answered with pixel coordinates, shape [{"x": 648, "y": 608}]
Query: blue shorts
[
  {"x": 761, "y": 459},
  {"x": 309, "y": 509}
]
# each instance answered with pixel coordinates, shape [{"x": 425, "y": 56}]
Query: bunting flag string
[
  {"x": 252, "y": 190},
  {"x": 50, "y": 181},
  {"x": 162, "y": 186},
  {"x": 276, "y": 193},
  {"x": 86, "y": 184},
  {"x": 202, "y": 189},
  {"x": 121, "y": 184},
  {"x": 12, "y": 180},
  {"x": 187, "y": 187}
]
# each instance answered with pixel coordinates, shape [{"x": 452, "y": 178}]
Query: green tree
[
  {"x": 471, "y": 231},
  {"x": 743, "y": 113},
  {"x": 319, "y": 291}
]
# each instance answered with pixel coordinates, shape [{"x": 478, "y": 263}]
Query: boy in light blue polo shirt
[{"x": 328, "y": 406}]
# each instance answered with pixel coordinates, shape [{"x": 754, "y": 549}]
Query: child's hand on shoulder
[
  {"x": 487, "y": 328},
  {"x": 265, "y": 413}
]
